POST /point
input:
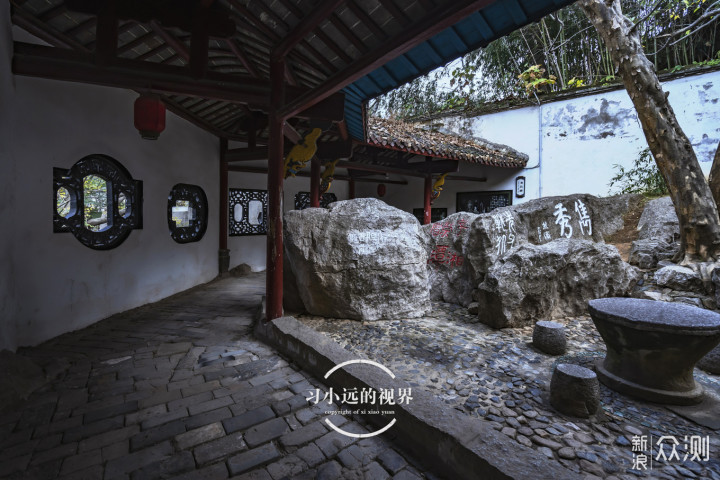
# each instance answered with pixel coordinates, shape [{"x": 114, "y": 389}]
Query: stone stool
[
  {"x": 549, "y": 337},
  {"x": 574, "y": 390}
]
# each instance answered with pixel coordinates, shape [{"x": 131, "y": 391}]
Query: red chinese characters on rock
[
  {"x": 443, "y": 255},
  {"x": 444, "y": 229}
]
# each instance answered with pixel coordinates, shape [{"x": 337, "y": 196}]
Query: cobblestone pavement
[
  {"x": 497, "y": 375},
  {"x": 181, "y": 389}
]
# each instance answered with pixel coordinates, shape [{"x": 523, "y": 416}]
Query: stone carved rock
[
  {"x": 574, "y": 390},
  {"x": 550, "y": 281},
  {"x": 659, "y": 234},
  {"x": 360, "y": 259},
  {"x": 451, "y": 276},
  {"x": 549, "y": 337},
  {"x": 492, "y": 235}
]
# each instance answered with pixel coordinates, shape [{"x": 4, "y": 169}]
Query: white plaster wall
[
  {"x": 579, "y": 141},
  {"x": 60, "y": 284},
  {"x": 251, "y": 249}
]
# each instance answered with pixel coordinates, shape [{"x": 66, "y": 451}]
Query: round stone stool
[
  {"x": 574, "y": 390},
  {"x": 549, "y": 337}
]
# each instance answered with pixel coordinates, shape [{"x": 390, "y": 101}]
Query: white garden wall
[{"x": 577, "y": 142}]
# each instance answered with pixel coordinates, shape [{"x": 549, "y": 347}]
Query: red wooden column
[
  {"x": 428, "y": 193},
  {"x": 223, "y": 252},
  {"x": 351, "y": 188},
  {"x": 315, "y": 182},
  {"x": 274, "y": 278}
]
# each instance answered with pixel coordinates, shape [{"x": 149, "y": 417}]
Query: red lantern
[
  {"x": 381, "y": 190},
  {"x": 149, "y": 116}
]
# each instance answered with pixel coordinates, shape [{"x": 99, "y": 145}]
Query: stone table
[{"x": 652, "y": 347}]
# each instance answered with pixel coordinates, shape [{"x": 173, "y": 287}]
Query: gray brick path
[{"x": 181, "y": 389}]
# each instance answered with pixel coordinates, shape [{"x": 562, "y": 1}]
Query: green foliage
[
  {"x": 533, "y": 79},
  {"x": 95, "y": 190},
  {"x": 576, "y": 83},
  {"x": 644, "y": 177}
]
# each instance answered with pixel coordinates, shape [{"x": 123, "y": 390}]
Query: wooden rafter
[
  {"x": 306, "y": 25},
  {"x": 424, "y": 29}
]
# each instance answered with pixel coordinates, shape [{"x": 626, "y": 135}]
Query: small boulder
[
  {"x": 711, "y": 362},
  {"x": 659, "y": 221},
  {"x": 659, "y": 234},
  {"x": 549, "y": 337},
  {"x": 574, "y": 390},
  {"x": 550, "y": 281},
  {"x": 646, "y": 253},
  {"x": 359, "y": 259},
  {"x": 679, "y": 278}
]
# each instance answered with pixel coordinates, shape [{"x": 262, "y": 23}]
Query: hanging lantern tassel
[{"x": 149, "y": 116}]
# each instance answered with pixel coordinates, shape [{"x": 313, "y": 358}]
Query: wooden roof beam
[
  {"x": 326, "y": 150},
  {"x": 43, "y": 31},
  {"x": 344, "y": 178},
  {"x": 240, "y": 54},
  {"x": 419, "y": 170},
  {"x": 428, "y": 26},
  {"x": 60, "y": 64},
  {"x": 172, "y": 41},
  {"x": 306, "y": 25}
]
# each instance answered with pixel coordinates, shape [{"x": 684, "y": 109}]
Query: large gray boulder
[
  {"x": 478, "y": 241},
  {"x": 658, "y": 236},
  {"x": 557, "y": 279},
  {"x": 360, "y": 259}
]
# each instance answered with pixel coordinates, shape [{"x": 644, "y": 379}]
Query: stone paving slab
[
  {"x": 498, "y": 376},
  {"x": 181, "y": 389}
]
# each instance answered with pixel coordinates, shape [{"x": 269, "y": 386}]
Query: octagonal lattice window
[
  {"x": 187, "y": 213},
  {"x": 96, "y": 200}
]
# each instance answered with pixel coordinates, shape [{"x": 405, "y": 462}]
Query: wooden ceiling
[{"x": 211, "y": 59}]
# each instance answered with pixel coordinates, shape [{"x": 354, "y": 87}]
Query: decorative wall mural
[
  {"x": 187, "y": 213},
  {"x": 248, "y": 212},
  {"x": 302, "y": 200},
  {"x": 96, "y": 200}
]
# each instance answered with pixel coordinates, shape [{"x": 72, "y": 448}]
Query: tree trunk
[
  {"x": 714, "y": 179},
  {"x": 675, "y": 158}
]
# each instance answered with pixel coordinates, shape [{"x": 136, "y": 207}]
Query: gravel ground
[{"x": 498, "y": 376}]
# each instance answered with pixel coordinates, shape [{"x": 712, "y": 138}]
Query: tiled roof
[{"x": 421, "y": 140}]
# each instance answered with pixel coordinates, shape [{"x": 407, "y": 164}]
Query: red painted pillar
[
  {"x": 315, "y": 182},
  {"x": 428, "y": 193},
  {"x": 351, "y": 188},
  {"x": 223, "y": 252},
  {"x": 274, "y": 278}
]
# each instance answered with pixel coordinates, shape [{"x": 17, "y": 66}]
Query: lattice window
[
  {"x": 248, "y": 212},
  {"x": 96, "y": 200},
  {"x": 302, "y": 200},
  {"x": 187, "y": 213}
]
